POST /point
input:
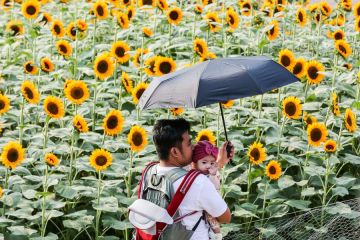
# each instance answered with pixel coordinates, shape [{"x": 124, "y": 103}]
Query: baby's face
[{"x": 204, "y": 164}]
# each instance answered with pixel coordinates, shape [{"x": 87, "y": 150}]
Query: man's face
[{"x": 186, "y": 150}]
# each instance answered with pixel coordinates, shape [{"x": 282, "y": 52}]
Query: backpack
[{"x": 155, "y": 213}]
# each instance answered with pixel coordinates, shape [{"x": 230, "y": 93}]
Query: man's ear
[{"x": 175, "y": 152}]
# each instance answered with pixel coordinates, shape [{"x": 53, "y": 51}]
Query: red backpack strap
[{"x": 143, "y": 175}]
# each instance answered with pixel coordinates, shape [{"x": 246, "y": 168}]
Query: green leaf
[
  {"x": 308, "y": 192},
  {"x": 285, "y": 182},
  {"x": 351, "y": 159},
  {"x": 241, "y": 212},
  {"x": 79, "y": 223},
  {"x": 314, "y": 170},
  {"x": 277, "y": 210},
  {"x": 107, "y": 204},
  {"x": 66, "y": 191},
  {"x": 298, "y": 204},
  {"x": 340, "y": 191},
  {"x": 116, "y": 224},
  {"x": 343, "y": 210},
  {"x": 21, "y": 230}
]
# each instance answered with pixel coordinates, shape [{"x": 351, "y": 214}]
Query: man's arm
[{"x": 225, "y": 217}]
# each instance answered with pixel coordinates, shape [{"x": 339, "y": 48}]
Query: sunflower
[
  {"x": 232, "y": 18},
  {"x": 273, "y": 33},
  {"x": 256, "y": 153},
  {"x": 273, "y": 170},
  {"x": 330, "y": 146},
  {"x": 213, "y": 21},
  {"x": 162, "y": 5},
  {"x": 177, "y": 111},
  {"x": 138, "y": 91},
  {"x": 308, "y": 119},
  {"x": 80, "y": 124},
  {"x": 147, "y": 32},
  {"x": 343, "y": 48},
  {"x": 120, "y": 50},
  {"x": 228, "y": 104},
  {"x": 103, "y": 67},
  {"x": 127, "y": 82},
  {"x": 335, "y": 105},
  {"x": 113, "y": 123},
  {"x": 339, "y": 35},
  {"x": 130, "y": 12},
  {"x": 350, "y": 120},
  {"x": 348, "y": 66},
  {"x": 137, "y": 55},
  {"x": 12, "y": 155},
  {"x": 291, "y": 107},
  {"x": 246, "y": 8},
  {"x": 151, "y": 3},
  {"x": 174, "y": 15},
  {"x": 357, "y": 10},
  {"x": 123, "y": 20},
  {"x": 54, "y": 107},
  {"x": 100, "y": 9},
  {"x": 100, "y": 159},
  {"x": 4, "y": 104},
  {"x": 312, "y": 72},
  {"x": 301, "y": 17},
  {"x": 150, "y": 65},
  {"x": 29, "y": 92},
  {"x": 81, "y": 25},
  {"x": 15, "y": 27},
  {"x": 357, "y": 24},
  {"x": 30, "y": 9},
  {"x": 200, "y": 47},
  {"x": 346, "y": 5},
  {"x": 164, "y": 65},
  {"x": 51, "y": 160},
  {"x": 77, "y": 92},
  {"x": 57, "y": 28},
  {"x": 137, "y": 138},
  {"x": 6, "y": 4},
  {"x": 46, "y": 18},
  {"x": 198, "y": 9},
  {"x": 317, "y": 134},
  {"x": 30, "y": 68},
  {"x": 47, "y": 65},
  {"x": 71, "y": 31},
  {"x": 299, "y": 68},
  {"x": 206, "y": 135},
  {"x": 64, "y": 48},
  {"x": 126, "y": 2},
  {"x": 287, "y": 59},
  {"x": 325, "y": 8}
]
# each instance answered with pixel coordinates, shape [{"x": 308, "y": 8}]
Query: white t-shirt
[{"x": 202, "y": 195}]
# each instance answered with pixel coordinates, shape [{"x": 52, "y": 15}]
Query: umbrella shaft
[{"x": 223, "y": 120}]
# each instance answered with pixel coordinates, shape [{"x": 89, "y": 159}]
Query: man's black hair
[{"x": 167, "y": 133}]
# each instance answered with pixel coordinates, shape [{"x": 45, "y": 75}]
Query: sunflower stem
[
  {"x": 94, "y": 105},
  {"x": 249, "y": 183},
  {"x": 46, "y": 131},
  {"x": 306, "y": 90},
  {"x": 76, "y": 42},
  {"x": 43, "y": 210},
  {"x": 339, "y": 136},
  {"x": 7, "y": 175},
  {"x": 278, "y": 103},
  {"x": 94, "y": 38},
  {"x": 264, "y": 203},
  {"x": 280, "y": 136},
  {"x": 130, "y": 175},
  {"x": 334, "y": 71},
  {"x": 141, "y": 58},
  {"x": 260, "y": 105},
  {"x": 170, "y": 28},
  {"x": 21, "y": 127},
  {"x": 323, "y": 201},
  {"x": 71, "y": 156},
  {"x": 98, "y": 212}
]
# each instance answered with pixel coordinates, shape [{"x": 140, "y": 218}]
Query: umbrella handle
[{"x": 229, "y": 145}]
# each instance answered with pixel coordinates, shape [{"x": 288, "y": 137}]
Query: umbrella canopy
[{"x": 216, "y": 81}]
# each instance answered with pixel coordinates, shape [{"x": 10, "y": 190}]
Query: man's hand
[{"x": 223, "y": 158}]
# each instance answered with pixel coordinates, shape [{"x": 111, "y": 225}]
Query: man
[{"x": 174, "y": 148}]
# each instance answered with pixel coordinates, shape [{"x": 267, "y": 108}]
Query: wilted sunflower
[
  {"x": 77, "y": 92},
  {"x": 301, "y": 17},
  {"x": 137, "y": 138},
  {"x": 299, "y": 68},
  {"x": 138, "y": 91},
  {"x": 137, "y": 55},
  {"x": 287, "y": 59},
  {"x": 57, "y": 29},
  {"x": 80, "y": 124},
  {"x": 29, "y": 67},
  {"x": 256, "y": 153},
  {"x": 228, "y": 104},
  {"x": 343, "y": 48},
  {"x": 357, "y": 24},
  {"x": 51, "y": 159},
  {"x": 206, "y": 135},
  {"x": 120, "y": 50},
  {"x": 151, "y": 3},
  {"x": 127, "y": 82},
  {"x": 335, "y": 105},
  {"x": 103, "y": 67},
  {"x": 317, "y": 134},
  {"x": 4, "y": 104},
  {"x": 339, "y": 35},
  {"x": 213, "y": 21},
  {"x": 162, "y": 5},
  {"x": 232, "y": 18},
  {"x": 15, "y": 27},
  {"x": 308, "y": 119},
  {"x": 54, "y": 107},
  {"x": 30, "y": 9},
  {"x": 30, "y": 92},
  {"x": 312, "y": 72},
  {"x": 123, "y": 20},
  {"x": 100, "y": 9},
  {"x": 64, "y": 48},
  {"x": 177, "y": 111},
  {"x": 291, "y": 107},
  {"x": 47, "y": 65},
  {"x": 273, "y": 33},
  {"x": 350, "y": 120},
  {"x": 200, "y": 47},
  {"x": 164, "y": 65},
  {"x": 174, "y": 15},
  {"x": 46, "y": 18},
  {"x": 12, "y": 155},
  {"x": 246, "y": 8},
  {"x": 130, "y": 12},
  {"x": 147, "y": 32},
  {"x": 113, "y": 123},
  {"x": 330, "y": 146},
  {"x": 100, "y": 159},
  {"x": 150, "y": 65},
  {"x": 273, "y": 170}
]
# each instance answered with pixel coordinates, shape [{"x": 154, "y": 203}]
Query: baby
[{"x": 204, "y": 160}]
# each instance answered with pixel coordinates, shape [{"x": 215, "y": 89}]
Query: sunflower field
[{"x": 73, "y": 141}]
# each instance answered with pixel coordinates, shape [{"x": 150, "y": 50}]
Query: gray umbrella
[{"x": 216, "y": 81}]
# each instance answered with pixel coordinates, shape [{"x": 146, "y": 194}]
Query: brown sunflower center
[
  {"x": 165, "y": 67},
  {"x": 297, "y": 68},
  {"x": 285, "y": 60},
  {"x": 112, "y": 122},
  {"x": 316, "y": 134},
  {"x": 139, "y": 93},
  {"x": 313, "y": 72},
  {"x": 77, "y": 93},
  {"x": 73, "y": 32},
  {"x": 204, "y": 138},
  {"x": 330, "y": 147},
  {"x": 101, "y": 160},
  {"x": 137, "y": 138},
  {"x": 147, "y": 2},
  {"x": 174, "y": 15},
  {"x": 211, "y": 22},
  {"x": 15, "y": 29},
  {"x": 31, "y": 10},
  {"x": 12, "y": 155},
  {"x": 2, "y": 104},
  {"x": 120, "y": 51},
  {"x": 53, "y": 108},
  {"x": 46, "y": 64},
  {"x": 199, "y": 48},
  {"x": 28, "y": 67},
  {"x": 309, "y": 120},
  {"x": 349, "y": 121},
  {"x": 232, "y": 20},
  {"x": 300, "y": 17},
  {"x": 342, "y": 49},
  {"x": 290, "y": 108},
  {"x": 78, "y": 125},
  {"x": 63, "y": 48},
  {"x": 272, "y": 30},
  {"x": 126, "y": 2},
  {"x": 255, "y": 154},
  {"x": 29, "y": 93},
  {"x": 358, "y": 11},
  {"x": 100, "y": 10},
  {"x": 247, "y": 6},
  {"x": 103, "y": 66},
  {"x": 130, "y": 14},
  {"x": 57, "y": 29},
  {"x": 338, "y": 36},
  {"x": 272, "y": 170}
]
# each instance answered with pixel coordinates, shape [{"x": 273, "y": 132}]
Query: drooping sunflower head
[
  {"x": 213, "y": 21},
  {"x": 30, "y": 92},
  {"x": 46, "y": 18},
  {"x": 232, "y": 18},
  {"x": 200, "y": 47},
  {"x": 246, "y": 8},
  {"x": 339, "y": 35},
  {"x": 103, "y": 66},
  {"x": 14, "y": 28},
  {"x": 273, "y": 170},
  {"x": 206, "y": 135},
  {"x": 4, "y": 104},
  {"x": 147, "y": 32},
  {"x": 256, "y": 153},
  {"x": 343, "y": 48},
  {"x": 54, "y": 107},
  {"x": 301, "y": 17},
  {"x": 80, "y": 124},
  {"x": 12, "y": 155},
  {"x": 100, "y": 9},
  {"x": 350, "y": 120},
  {"x": 138, "y": 91},
  {"x": 57, "y": 29},
  {"x": 163, "y": 5},
  {"x": 30, "y": 68},
  {"x": 228, "y": 104},
  {"x": 113, "y": 123},
  {"x": 287, "y": 59},
  {"x": 150, "y": 65},
  {"x": 120, "y": 50},
  {"x": 299, "y": 68},
  {"x": 330, "y": 146},
  {"x": 30, "y": 9},
  {"x": 335, "y": 105},
  {"x": 164, "y": 65},
  {"x": 177, "y": 111},
  {"x": 77, "y": 92},
  {"x": 51, "y": 160},
  {"x": 317, "y": 134},
  {"x": 273, "y": 33},
  {"x": 123, "y": 20},
  {"x": 47, "y": 65},
  {"x": 137, "y": 138},
  {"x": 127, "y": 82},
  {"x": 100, "y": 159},
  {"x": 291, "y": 107},
  {"x": 64, "y": 48},
  {"x": 313, "y": 70},
  {"x": 174, "y": 15}
]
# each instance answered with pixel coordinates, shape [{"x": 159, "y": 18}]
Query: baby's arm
[{"x": 214, "y": 176}]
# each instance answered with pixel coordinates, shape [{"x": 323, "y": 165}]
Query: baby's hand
[{"x": 213, "y": 169}]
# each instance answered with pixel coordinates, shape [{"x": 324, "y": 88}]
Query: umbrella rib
[{"x": 197, "y": 91}]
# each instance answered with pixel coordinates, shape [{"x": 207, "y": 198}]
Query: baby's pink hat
[{"x": 203, "y": 149}]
